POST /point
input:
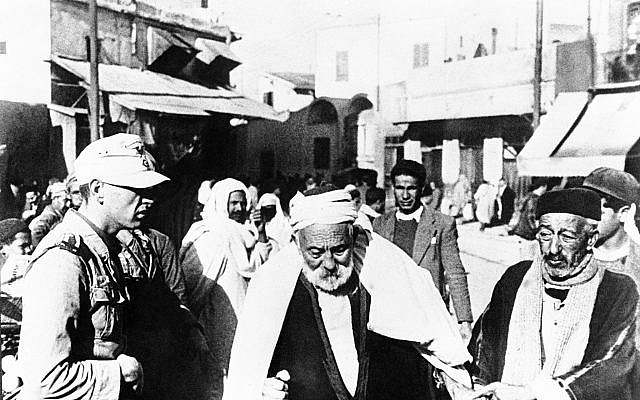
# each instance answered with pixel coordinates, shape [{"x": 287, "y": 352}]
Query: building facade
[{"x": 456, "y": 75}]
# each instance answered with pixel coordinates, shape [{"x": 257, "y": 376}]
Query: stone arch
[
  {"x": 322, "y": 111},
  {"x": 359, "y": 103}
]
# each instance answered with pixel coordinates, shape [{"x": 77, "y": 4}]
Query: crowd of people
[{"x": 320, "y": 294}]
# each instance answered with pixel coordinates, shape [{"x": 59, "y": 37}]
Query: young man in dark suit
[{"x": 429, "y": 237}]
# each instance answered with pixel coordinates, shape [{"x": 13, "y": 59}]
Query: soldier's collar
[{"x": 112, "y": 243}]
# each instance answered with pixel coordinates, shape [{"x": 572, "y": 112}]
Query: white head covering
[
  {"x": 204, "y": 192},
  {"x": 218, "y": 201},
  {"x": 333, "y": 207},
  {"x": 278, "y": 228},
  {"x": 239, "y": 237}
]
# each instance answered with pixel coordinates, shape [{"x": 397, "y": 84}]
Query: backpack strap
[{"x": 70, "y": 242}]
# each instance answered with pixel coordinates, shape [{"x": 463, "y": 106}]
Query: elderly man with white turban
[
  {"x": 219, "y": 255},
  {"x": 341, "y": 313}
]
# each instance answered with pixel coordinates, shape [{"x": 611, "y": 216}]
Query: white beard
[{"x": 328, "y": 282}]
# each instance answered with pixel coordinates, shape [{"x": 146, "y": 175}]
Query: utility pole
[
  {"x": 378, "y": 63},
  {"x": 94, "y": 90},
  {"x": 592, "y": 48},
  {"x": 537, "y": 73}
]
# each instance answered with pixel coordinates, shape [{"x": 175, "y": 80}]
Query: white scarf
[
  {"x": 405, "y": 305},
  {"x": 278, "y": 228},
  {"x": 241, "y": 238},
  {"x": 524, "y": 355}
]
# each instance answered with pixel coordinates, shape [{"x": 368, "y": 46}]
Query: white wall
[
  {"x": 441, "y": 24},
  {"x": 24, "y": 74},
  {"x": 252, "y": 82}
]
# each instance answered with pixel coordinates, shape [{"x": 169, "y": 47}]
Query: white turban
[
  {"x": 332, "y": 207},
  {"x": 218, "y": 201}
]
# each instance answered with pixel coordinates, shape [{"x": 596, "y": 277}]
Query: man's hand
[
  {"x": 465, "y": 331},
  {"x": 276, "y": 388},
  {"x": 131, "y": 372},
  {"x": 258, "y": 221},
  {"x": 504, "y": 391}
]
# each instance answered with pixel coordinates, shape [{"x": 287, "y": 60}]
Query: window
[
  {"x": 134, "y": 38},
  {"x": 3, "y": 47},
  {"x": 420, "y": 55},
  {"x": 342, "y": 66},
  {"x": 494, "y": 40},
  {"x": 321, "y": 153},
  {"x": 267, "y": 98}
]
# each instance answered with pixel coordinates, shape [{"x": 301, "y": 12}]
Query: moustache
[{"x": 555, "y": 258}]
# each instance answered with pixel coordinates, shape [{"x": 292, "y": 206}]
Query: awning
[
  {"x": 196, "y": 105},
  {"x": 534, "y": 159},
  {"x": 603, "y": 135},
  {"x": 514, "y": 129},
  {"x": 147, "y": 90}
]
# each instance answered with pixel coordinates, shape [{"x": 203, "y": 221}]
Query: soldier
[{"x": 72, "y": 342}]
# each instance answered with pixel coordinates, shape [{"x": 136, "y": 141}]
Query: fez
[{"x": 577, "y": 201}]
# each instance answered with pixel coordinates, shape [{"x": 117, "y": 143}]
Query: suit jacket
[{"x": 436, "y": 249}]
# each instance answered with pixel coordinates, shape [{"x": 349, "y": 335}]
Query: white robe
[{"x": 405, "y": 305}]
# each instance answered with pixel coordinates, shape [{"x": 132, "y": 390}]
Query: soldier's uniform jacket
[{"x": 73, "y": 313}]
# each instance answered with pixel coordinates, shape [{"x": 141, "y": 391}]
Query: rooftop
[
  {"x": 198, "y": 21},
  {"x": 299, "y": 80}
]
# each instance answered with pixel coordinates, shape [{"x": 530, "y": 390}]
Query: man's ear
[
  {"x": 96, "y": 189},
  {"x": 593, "y": 239},
  {"x": 622, "y": 212}
]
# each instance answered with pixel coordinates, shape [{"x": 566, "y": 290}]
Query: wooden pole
[
  {"x": 378, "y": 63},
  {"x": 592, "y": 49},
  {"x": 94, "y": 91},
  {"x": 537, "y": 73}
]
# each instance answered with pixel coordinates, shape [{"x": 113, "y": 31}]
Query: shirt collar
[
  {"x": 612, "y": 255},
  {"x": 112, "y": 244},
  {"x": 408, "y": 217}
]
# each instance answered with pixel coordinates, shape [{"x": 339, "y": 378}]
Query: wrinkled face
[
  {"x": 237, "y": 206},
  {"x": 609, "y": 222},
  {"x": 564, "y": 240},
  {"x": 327, "y": 250},
  {"x": 126, "y": 207},
  {"x": 20, "y": 246},
  {"x": 74, "y": 195},
  {"x": 407, "y": 193}
]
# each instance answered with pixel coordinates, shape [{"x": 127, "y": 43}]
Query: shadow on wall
[{"x": 34, "y": 147}]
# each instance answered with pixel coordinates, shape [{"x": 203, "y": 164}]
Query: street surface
[{"x": 485, "y": 255}]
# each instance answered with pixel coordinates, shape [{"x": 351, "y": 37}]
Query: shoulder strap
[{"x": 70, "y": 242}]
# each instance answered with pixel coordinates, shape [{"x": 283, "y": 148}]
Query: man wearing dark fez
[{"x": 559, "y": 326}]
